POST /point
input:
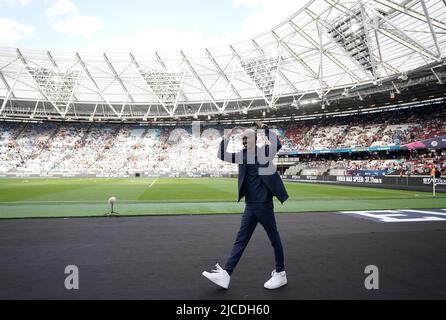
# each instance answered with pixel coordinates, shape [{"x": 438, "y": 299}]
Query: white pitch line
[
  {"x": 426, "y": 212},
  {"x": 153, "y": 183}
]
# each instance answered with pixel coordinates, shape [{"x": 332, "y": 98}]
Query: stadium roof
[{"x": 327, "y": 51}]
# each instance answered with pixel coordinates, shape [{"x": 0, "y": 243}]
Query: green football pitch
[{"x": 21, "y": 198}]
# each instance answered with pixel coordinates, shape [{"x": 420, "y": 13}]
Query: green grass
[{"x": 21, "y": 198}]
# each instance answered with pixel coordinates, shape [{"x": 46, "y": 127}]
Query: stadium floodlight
[
  {"x": 165, "y": 85},
  {"x": 263, "y": 71},
  {"x": 57, "y": 79},
  {"x": 57, "y": 86},
  {"x": 349, "y": 31},
  {"x": 295, "y": 104},
  {"x": 356, "y": 26},
  {"x": 440, "y": 81},
  {"x": 403, "y": 77},
  {"x": 397, "y": 90},
  {"x": 310, "y": 102}
]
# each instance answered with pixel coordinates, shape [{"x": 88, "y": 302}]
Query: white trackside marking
[
  {"x": 407, "y": 215},
  {"x": 426, "y": 212},
  {"x": 153, "y": 182}
]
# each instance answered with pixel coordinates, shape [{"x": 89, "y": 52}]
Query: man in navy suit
[{"x": 258, "y": 182}]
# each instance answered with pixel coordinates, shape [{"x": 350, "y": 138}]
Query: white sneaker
[
  {"x": 218, "y": 276},
  {"x": 278, "y": 279}
]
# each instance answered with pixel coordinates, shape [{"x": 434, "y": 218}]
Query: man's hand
[
  {"x": 228, "y": 133},
  {"x": 260, "y": 125}
]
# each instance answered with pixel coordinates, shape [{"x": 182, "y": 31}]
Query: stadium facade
[{"x": 329, "y": 57}]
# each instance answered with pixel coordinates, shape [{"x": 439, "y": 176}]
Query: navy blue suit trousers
[{"x": 255, "y": 213}]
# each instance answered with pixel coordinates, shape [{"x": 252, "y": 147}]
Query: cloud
[
  {"x": 11, "y": 31},
  {"x": 12, "y": 3},
  {"x": 266, "y": 15},
  {"x": 157, "y": 38},
  {"x": 65, "y": 18},
  {"x": 84, "y": 26},
  {"x": 61, "y": 7},
  {"x": 247, "y": 3}
]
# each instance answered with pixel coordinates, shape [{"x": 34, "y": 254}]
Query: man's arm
[
  {"x": 275, "y": 144},
  {"x": 228, "y": 156}
]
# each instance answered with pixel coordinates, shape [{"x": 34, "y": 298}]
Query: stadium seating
[{"x": 89, "y": 148}]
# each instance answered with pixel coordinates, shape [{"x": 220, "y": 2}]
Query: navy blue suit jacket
[{"x": 272, "y": 181}]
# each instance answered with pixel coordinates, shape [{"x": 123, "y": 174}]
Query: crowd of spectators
[
  {"x": 378, "y": 129},
  {"x": 403, "y": 163},
  {"x": 91, "y": 148}
]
